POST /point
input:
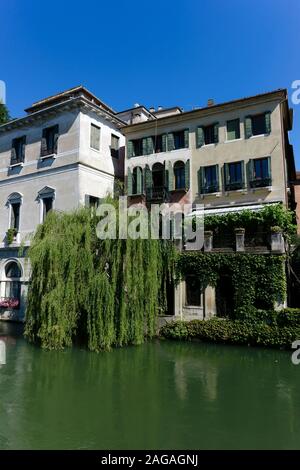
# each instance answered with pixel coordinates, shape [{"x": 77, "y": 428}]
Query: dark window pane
[
  {"x": 193, "y": 291},
  {"x": 233, "y": 129},
  {"x": 258, "y": 124},
  {"x": 179, "y": 173},
  {"x": 209, "y": 137},
  {"x": 12, "y": 270},
  {"x": 15, "y": 216}
]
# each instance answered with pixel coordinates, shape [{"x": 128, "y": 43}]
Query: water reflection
[{"x": 160, "y": 395}]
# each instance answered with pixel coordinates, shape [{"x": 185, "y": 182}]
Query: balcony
[
  {"x": 260, "y": 183},
  {"x": 159, "y": 193}
]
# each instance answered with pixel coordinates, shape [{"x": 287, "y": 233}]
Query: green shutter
[
  {"x": 248, "y": 127},
  {"x": 250, "y": 170},
  {"x": 217, "y": 178},
  {"x": 23, "y": 148},
  {"x": 186, "y": 138},
  {"x": 216, "y": 132},
  {"x": 199, "y": 137},
  {"x": 129, "y": 149},
  {"x": 148, "y": 178},
  {"x": 187, "y": 175},
  {"x": 139, "y": 180},
  {"x": 170, "y": 180},
  {"x": 201, "y": 180},
  {"x": 145, "y": 146},
  {"x": 150, "y": 147},
  {"x": 268, "y": 122},
  {"x": 56, "y": 134},
  {"x": 171, "y": 143},
  {"x": 164, "y": 142},
  {"x": 269, "y": 169},
  {"x": 129, "y": 182},
  {"x": 226, "y": 174},
  {"x": 243, "y": 173}
]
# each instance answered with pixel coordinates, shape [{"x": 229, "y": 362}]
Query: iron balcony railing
[{"x": 157, "y": 194}]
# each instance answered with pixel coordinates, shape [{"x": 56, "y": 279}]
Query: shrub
[{"x": 234, "y": 332}]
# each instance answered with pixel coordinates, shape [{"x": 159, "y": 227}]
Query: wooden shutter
[
  {"x": 243, "y": 173},
  {"x": 129, "y": 149},
  {"x": 199, "y": 137},
  {"x": 44, "y": 143},
  {"x": 150, "y": 147},
  {"x": 164, "y": 142},
  {"x": 217, "y": 178},
  {"x": 269, "y": 169},
  {"x": 145, "y": 146},
  {"x": 171, "y": 143},
  {"x": 250, "y": 170},
  {"x": 148, "y": 177},
  {"x": 13, "y": 155},
  {"x": 216, "y": 132},
  {"x": 187, "y": 175},
  {"x": 23, "y": 148},
  {"x": 186, "y": 138},
  {"x": 55, "y": 138},
  {"x": 248, "y": 127},
  {"x": 129, "y": 182},
  {"x": 226, "y": 175},
  {"x": 201, "y": 180},
  {"x": 170, "y": 177},
  {"x": 268, "y": 122},
  {"x": 139, "y": 180}
]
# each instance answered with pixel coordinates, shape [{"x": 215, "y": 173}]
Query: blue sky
[{"x": 155, "y": 53}]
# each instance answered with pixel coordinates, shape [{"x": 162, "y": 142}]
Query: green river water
[{"x": 162, "y": 395}]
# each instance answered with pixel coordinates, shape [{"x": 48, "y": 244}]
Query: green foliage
[
  {"x": 274, "y": 215},
  {"x": 102, "y": 292},
  {"x": 256, "y": 279},
  {"x": 233, "y": 332},
  {"x": 10, "y": 235},
  {"x": 4, "y": 114}
]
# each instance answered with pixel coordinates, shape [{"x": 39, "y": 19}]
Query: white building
[{"x": 66, "y": 152}]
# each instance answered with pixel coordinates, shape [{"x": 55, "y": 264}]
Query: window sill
[
  {"x": 16, "y": 165},
  {"x": 50, "y": 155},
  {"x": 232, "y": 140},
  {"x": 216, "y": 194},
  {"x": 95, "y": 150},
  {"x": 258, "y": 135},
  {"x": 192, "y": 307},
  {"x": 209, "y": 145},
  {"x": 264, "y": 188},
  {"x": 241, "y": 191}
]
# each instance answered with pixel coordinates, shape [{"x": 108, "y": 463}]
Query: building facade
[{"x": 69, "y": 150}]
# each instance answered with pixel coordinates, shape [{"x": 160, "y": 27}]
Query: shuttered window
[
  {"x": 234, "y": 175},
  {"x": 49, "y": 140},
  {"x": 18, "y": 150},
  {"x": 114, "y": 146},
  {"x": 260, "y": 172},
  {"x": 95, "y": 137},
  {"x": 208, "y": 177}
]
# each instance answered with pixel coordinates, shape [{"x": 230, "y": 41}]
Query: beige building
[{"x": 225, "y": 156}]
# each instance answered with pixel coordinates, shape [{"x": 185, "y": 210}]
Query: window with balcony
[
  {"x": 234, "y": 176},
  {"x": 260, "y": 172},
  {"x": 14, "y": 204},
  {"x": 258, "y": 124},
  {"x": 18, "y": 150},
  {"x": 233, "y": 129},
  {"x": 208, "y": 179},
  {"x": 49, "y": 141}
]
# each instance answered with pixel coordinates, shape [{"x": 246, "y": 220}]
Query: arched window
[
  {"x": 46, "y": 198},
  {"x": 11, "y": 287},
  {"x": 137, "y": 180},
  {"x": 179, "y": 174}
]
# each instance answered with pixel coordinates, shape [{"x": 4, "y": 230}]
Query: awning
[{"x": 226, "y": 210}]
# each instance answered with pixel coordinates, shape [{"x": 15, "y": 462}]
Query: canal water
[{"x": 162, "y": 395}]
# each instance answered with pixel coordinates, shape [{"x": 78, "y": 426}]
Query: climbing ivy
[
  {"x": 104, "y": 293},
  {"x": 256, "y": 279}
]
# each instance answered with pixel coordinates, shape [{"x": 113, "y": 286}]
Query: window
[
  {"x": 193, "y": 291},
  {"x": 12, "y": 270},
  {"x": 18, "y": 150},
  {"x": 157, "y": 144},
  {"x": 137, "y": 181},
  {"x": 259, "y": 124},
  {"x": 49, "y": 141},
  {"x": 234, "y": 175},
  {"x": 11, "y": 287},
  {"x": 179, "y": 174},
  {"x": 95, "y": 137},
  {"x": 46, "y": 199},
  {"x": 114, "y": 146},
  {"x": 178, "y": 140},
  {"x": 206, "y": 135},
  {"x": 260, "y": 172},
  {"x": 209, "y": 179},
  {"x": 15, "y": 216},
  {"x": 233, "y": 129}
]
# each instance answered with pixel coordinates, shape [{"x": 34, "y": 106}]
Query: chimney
[
  {"x": 152, "y": 109},
  {"x": 210, "y": 102},
  {"x": 159, "y": 108}
]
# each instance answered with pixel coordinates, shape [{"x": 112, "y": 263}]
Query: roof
[
  {"x": 215, "y": 107},
  {"x": 65, "y": 95}
]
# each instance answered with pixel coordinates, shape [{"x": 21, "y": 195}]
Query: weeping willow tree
[{"x": 103, "y": 292}]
